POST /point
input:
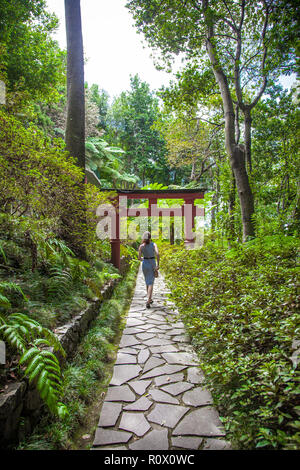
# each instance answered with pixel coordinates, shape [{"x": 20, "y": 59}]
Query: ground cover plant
[{"x": 240, "y": 307}]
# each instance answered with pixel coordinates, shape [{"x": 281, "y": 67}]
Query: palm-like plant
[{"x": 106, "y": 163}]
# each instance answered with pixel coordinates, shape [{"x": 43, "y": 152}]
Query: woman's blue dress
[{"x": 148, "y": 265}]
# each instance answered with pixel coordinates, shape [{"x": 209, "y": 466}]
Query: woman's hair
[{"x": 146, "y": 237}]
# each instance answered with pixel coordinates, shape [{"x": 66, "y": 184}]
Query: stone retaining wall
[{"x": 20, "y": 403}]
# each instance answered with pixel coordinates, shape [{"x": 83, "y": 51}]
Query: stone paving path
[{"x": 156, "y": 399}]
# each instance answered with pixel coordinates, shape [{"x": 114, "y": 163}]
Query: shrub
[{"x": 240, "y": 308}]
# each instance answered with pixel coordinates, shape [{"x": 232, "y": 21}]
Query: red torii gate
[{"x": 188, "y": 210}]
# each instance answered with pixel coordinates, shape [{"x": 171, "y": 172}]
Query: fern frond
[
  {"x": 34, "y": 370},
  {"x": 42, "y": 366},
  {"x": 4, "y": 301},
  {"x": 29, "y": 355},
  {"x": 12, "y": 336},
  {"x": 2, "y": 253},
  {"x": 42, "y": 342},
  {"x": 12, "y": 286}
]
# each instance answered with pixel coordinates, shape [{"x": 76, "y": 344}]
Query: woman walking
[{"x": 148, "y": 250}]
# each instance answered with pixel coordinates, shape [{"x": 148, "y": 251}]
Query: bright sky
[{"x": 112, "y": 46}]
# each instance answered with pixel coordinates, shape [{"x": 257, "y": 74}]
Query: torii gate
[{"x": 188, "y": 210}]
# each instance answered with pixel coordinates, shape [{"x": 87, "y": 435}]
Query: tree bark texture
[
  {"x": 75, "y": 125},
  {"x": 234, "y": 151}
]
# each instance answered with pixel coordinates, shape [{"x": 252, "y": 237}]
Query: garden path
[{"x": 156, "y": 399}]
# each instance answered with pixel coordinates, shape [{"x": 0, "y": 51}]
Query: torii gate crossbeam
[{"x": 189, "y": 211}]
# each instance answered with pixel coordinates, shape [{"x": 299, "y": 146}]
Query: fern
[
  {"x": 2, "y": 253},
  {"x": 60, "y": 281},
  {"x": 42, "y": 366},
  {"x": 79, "y": 269},
  {"x": 11, "y": 287},
  {"x": 4, "y": 301}
]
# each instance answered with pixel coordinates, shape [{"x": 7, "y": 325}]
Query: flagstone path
[{"x": 157, "y": 399}]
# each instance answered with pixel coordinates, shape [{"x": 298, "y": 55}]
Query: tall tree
[
  {"x": 131, "y": 122},
  {"x": 237, "y": 38},
  {"x": 75, "y": 126},
  {"x": 31, "y": 63},
  {"x": 75, "y": 122}
]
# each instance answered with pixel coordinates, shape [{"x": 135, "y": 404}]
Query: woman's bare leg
[{"x": 150, "y": 290}]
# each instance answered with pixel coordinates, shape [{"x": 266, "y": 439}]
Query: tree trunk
[
  {"x": 234, "y": 151},
  {"x": 231, "y": 209},
  {"x": 75, "y": 216},
  {"x": 215, "y": 201},
  {"x": 238, "y": 165},
  {"x": 75, "y": 125},
  {"x": 247, "y": 136}
]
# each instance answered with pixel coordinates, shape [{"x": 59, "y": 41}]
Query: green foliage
[
  {"x": 40, "y": 180},
  {"x": 130, "y": 121},
  {"x": 31, "y": 64},
  {"x": 86, "y": 373},
  {"x": 241, "y": 310},
  {"x": 30, "y": 339},
  {"x": 9, "y": 287},
  {"x": 52, "y": 292},
  {"x": 106, "y": 162}
]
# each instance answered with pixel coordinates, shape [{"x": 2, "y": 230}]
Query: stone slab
[
  {"x": 164, "y": 327},
  {"x": 197, "y": 397},
  {"x": 181, "y": 339},
  {"x": 139, "y": 386},
  {"x": 120, "y": 394},
  {"x": 124, "y": 373},
  {"x": 163, "y": 370},
  {"x": 133, "y": 322},
  {"x": 155, "y": 440},
  {"x": 179, "y": 324},
  {"x": 163, "y": 349},
  {"x": 177, "y": 388},
  {"x": 191, "y": 443},
  {"x": 145, "y": 335},
  {"x": 134, "y": 422},
  {"x": 157, "y": 342},
  {"x": 142, "y": 404},
  {"x": 110, "y": 413},
  {"x": 168, "y": 379},
  {"x": 128, "y": 351},
  {"x": 127, "y": 341},
  {"x": 180, "y": 358},
  {"x": 109, "y": 436},
  {"x": 195, "y": 375},
  {"x": 216, "y": 444},
  {"x": 143, "y": 356},
  {"x": 176, "y": 331},
  {"x": 159, "y": 396},
  {"x": 152, "y": 363},
  {"x": 123, "y": 358},
  {"x": 167, "y": 415},
  {"x": 146, "y": 327},
  {"x": 132, "y": 331},
  {"x": 202, "y": 422}
]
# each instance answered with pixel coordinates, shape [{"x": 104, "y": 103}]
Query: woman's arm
[
  {"x": 140, "y": 253},
  {"x": 157, "y": 254}
]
